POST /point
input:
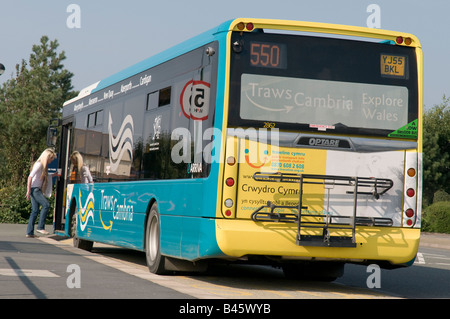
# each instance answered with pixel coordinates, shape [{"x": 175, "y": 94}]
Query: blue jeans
[{"x": 37, "y": 200}]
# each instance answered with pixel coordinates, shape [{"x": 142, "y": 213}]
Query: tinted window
[{"x": 315, "y": 83}]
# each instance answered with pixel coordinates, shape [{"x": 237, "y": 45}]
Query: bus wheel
[
  {"x": 77, "y": 242},
  {"x": 155, "y": 261}
]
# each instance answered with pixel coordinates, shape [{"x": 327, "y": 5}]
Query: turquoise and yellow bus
[{"x": 287, "y": 143}]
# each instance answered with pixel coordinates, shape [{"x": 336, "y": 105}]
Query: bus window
[{"x": 323, "y": 84}]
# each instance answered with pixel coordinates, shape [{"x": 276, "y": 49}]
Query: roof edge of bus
[
  {"x": 231, "y": 25},
  {"x": 152, "y": 61},
  {"x": 319, "y": 27}
]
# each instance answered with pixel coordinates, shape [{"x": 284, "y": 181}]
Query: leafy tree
[
  {"x": 28, "y": 101},
  {"x": 436, "y": 150}
]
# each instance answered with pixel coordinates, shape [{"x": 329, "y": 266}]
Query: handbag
[{"x": 48, "y": 188}]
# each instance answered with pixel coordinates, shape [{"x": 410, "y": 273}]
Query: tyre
[
  {"x": 155, "y": 261},
  {"x": 77, "y": 242}
]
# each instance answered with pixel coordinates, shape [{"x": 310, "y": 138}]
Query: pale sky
[{"x": 116, "y": 34}]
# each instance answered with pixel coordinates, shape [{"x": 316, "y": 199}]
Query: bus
[{"x": 287, "y": 143}]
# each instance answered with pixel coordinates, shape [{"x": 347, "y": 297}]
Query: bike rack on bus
[{"x": 358, "y": 185}]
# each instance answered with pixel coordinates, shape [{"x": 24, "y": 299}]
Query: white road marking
[
  {"x": 420, "y": 259},
  {"x": 27, "y": 273}
]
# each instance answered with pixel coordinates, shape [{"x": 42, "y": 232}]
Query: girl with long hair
[
  {"x": 36, "y": 185},
  {"x": 80, "y": 172}
]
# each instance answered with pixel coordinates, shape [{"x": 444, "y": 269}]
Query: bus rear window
[{"x": 310, "y": 83}]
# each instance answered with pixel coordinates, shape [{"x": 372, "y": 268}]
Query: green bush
[
  {"x": 441, "y": 196},
  {"x": 436, "y": 218},
  {"x": 14, "y": 207}
]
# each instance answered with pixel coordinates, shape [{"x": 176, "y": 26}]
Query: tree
[
  {"x": 28, "y": 101},
  {"x": 436, "y": 150}
]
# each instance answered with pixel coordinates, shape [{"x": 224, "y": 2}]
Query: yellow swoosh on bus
[
  {"x": 87, "y": 210},
  {"x": 104, "y": 226}
]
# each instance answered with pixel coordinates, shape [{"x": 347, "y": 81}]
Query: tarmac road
[
  {"x": 31, "y": 268},
  {"x": 44, "y": 268}
]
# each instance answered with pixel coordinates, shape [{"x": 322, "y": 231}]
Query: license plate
[{"x": 393, "y": 65}]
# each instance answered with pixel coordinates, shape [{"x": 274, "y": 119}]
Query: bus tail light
[
  {"x": 249, "y": 26},
  {"x": 228, "y": 203},
  {"x": 411, "y": 172},
  {"x": 410, "y": 198},
  {"x": 409, "y": 213},
  {"x": 231, "y": 160},
  {"x": 402, "y": 40},
  {"x": 229, "y": 187},
  {"x": 410, "y": 192}
]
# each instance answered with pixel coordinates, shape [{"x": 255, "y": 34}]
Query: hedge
[
  {"x": 436, "y": 218},
  {"x": 14, "y": 207}
]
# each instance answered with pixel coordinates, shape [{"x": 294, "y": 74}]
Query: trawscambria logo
[
  {"x": 122, "y": 143},
  {"x": 86, "y": 211}
]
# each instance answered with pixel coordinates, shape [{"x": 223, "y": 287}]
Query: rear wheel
[{"x": 155, "y": 261}]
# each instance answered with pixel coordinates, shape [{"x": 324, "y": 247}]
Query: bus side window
[
  {"x": 152, "y": 101},
  {"x": 159, "y": 98}
]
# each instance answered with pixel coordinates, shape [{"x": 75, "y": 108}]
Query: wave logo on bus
[
  {"x": 86, "y": 211},
  {"x": 122, "y": 143}
]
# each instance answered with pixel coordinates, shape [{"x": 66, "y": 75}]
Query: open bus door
[{"x": 63, "y": 163}]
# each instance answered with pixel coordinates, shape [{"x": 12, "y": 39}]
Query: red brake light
[
  {"x": 229, "y": 182},
  {"x": 250, "y": 26},
  {"x": 409, "y": 212},
  {"x": 410, "y": 192},
  {"x": 399, "y": 40}
]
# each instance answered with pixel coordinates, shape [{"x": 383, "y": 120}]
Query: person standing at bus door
[
  {"x": 80, "y": 172},
  {"x": 37, "y": 183}
]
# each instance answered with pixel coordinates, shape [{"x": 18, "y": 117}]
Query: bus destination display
[{"x": 268, "y": 55}]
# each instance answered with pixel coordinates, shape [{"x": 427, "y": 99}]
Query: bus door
[{"x": 65, "y": 146}]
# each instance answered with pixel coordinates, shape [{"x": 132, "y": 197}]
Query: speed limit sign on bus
[{"x": 194, "y": 100}]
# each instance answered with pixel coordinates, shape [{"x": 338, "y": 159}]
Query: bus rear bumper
[{"x": 391, "y": 245}]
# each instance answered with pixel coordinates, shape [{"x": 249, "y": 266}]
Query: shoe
[
  {"x": 30, "y": 236},
  {"x": 42, "y": 231}
]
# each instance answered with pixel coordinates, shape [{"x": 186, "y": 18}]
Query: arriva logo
[
  {"x": 87, "y": 210},
  {"x": 122, "y": 143}
]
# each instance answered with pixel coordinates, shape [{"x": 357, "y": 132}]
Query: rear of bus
[{"x": 323, "y": 146}]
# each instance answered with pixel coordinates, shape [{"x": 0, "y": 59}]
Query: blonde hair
[
  {"x": 77, "y": 159},
  {"x": 43, "y": 159}
]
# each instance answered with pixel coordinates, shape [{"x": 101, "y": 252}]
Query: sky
[{"x": 115, "y": 34}]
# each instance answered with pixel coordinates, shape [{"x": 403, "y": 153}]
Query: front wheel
[
  {"x": 155, "y": 261},
  {"x": 77, "y": 242}
]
